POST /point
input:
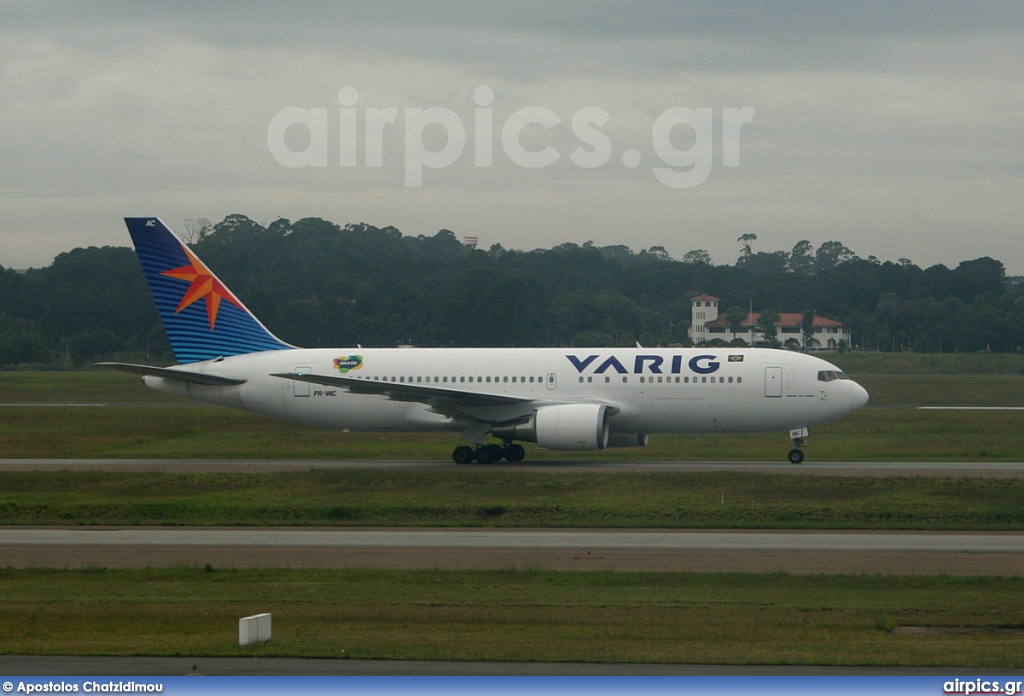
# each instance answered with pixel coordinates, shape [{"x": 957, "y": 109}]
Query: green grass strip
[
  {"x": 773, "y": 619},
  {"x": 398, "y": 497},
  {"x": 191, "y": 432}
]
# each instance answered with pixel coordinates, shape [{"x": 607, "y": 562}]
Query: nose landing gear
[{"x": 796, "y": 455}]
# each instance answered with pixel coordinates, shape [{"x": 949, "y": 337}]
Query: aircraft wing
[
  {"x": 399, "y": 391},
  {"x": 453, "y": 403},
  {"x": 172, "y": 373}
]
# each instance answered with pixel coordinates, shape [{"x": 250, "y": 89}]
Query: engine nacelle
[
  {"x": 628, "y": 439},
  {"x": 562, "y": 427}
]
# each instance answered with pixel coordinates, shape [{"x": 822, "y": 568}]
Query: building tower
[{"x": 703, "y": 309}]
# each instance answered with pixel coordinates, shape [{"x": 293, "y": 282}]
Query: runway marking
[
  {"x": 1011, "y": 542},
  {"x": 970, "y": 408}
]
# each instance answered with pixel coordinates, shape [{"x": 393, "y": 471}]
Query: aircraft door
[
  {"x": 551, "y": 381},
  {"x": 773, "y": 382},
  {"x": 300, "y": 388}
]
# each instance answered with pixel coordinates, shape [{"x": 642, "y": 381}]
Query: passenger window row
[
  {"x": 453, "y": 380},
  {"x": 672, "y": 380}
]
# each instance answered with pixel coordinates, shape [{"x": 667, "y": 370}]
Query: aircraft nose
[{"x": 858, "y": 396}]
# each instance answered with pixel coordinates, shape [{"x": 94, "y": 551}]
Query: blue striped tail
[{"x": 202, "y": 317}]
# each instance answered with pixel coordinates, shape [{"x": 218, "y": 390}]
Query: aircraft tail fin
[{"x": 203, "y": 319}]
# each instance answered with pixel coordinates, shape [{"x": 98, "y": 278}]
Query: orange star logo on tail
[{"x": 204, "y": 285}]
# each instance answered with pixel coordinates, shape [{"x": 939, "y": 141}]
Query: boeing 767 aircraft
[{"x": 559, "y": 398}]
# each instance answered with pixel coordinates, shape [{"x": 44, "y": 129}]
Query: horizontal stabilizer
[{"x": 172, "y": 373}]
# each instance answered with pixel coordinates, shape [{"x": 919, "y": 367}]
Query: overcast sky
[{"x": 895, "y": 128}]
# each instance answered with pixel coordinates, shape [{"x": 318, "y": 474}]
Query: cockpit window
[{"x": 829, "y": 375}]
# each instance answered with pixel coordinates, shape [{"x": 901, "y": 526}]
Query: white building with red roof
[{"x": 707, "y": 324}]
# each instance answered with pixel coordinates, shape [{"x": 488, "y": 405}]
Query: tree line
[{"x": 315, "y": 283}]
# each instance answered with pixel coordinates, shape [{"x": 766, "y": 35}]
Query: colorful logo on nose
[{"x": 348, "y": 362}]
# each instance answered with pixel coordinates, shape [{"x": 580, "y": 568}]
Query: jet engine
[
  {"x": 561, "y": 427},
  {"x": 628, "y": 439}
]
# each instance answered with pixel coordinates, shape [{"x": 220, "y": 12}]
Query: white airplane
[{"x": 559, "y": 398}]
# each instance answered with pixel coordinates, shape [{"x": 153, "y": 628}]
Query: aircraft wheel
[
  {"x": 796, "y": 456},
  {"x": 515, "y": 453},
  {"x": 490, "y": 454},
  {"x": 463, "y": 455}
]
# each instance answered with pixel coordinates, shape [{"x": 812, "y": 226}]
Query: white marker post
[{"x": 254, "y": 629}]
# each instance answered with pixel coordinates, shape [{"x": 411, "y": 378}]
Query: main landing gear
[{"x": 488, "y": 454}]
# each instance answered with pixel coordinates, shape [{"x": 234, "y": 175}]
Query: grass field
[
  {"x": 97, "y": 386},
  {"x": 515, "y": 615},
  {"x": 188, "y": 431},
  {"x": 520, "y": 615},
  {"x": 358, "y": 497},
  {"x": 164, "y": 426},
  {"x": 858, "y": 363}
]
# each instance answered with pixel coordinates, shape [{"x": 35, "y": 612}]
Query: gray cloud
[{"x": 895, "y": 127}]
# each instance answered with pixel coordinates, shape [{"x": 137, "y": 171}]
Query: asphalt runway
[
  {"x": 591, "y": 549},
  {"x": 53, "y": 665},
  {"x": 867, "y": 469},
  {"x": 620, "y": 550},
  {"x": 556, "y": 549}
]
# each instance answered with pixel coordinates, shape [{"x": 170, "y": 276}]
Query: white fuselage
[{"x": 648, "y": 390}]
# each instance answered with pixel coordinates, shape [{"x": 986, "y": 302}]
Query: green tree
[
  {"x": 801, "y": 260},
  {"x": 807, "y": 326},
  {"x": 767, "y": 323},
  {"x": 697, "y": 256},
  {"x": 764, "y": 262},
  {"x": 735, "y": 316},
  {"x": 21, "y": 346},
  {"x": 195, "y": 230},
  {"x": 745, "y": 241},
  {"x": 830, "y": 255}
]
